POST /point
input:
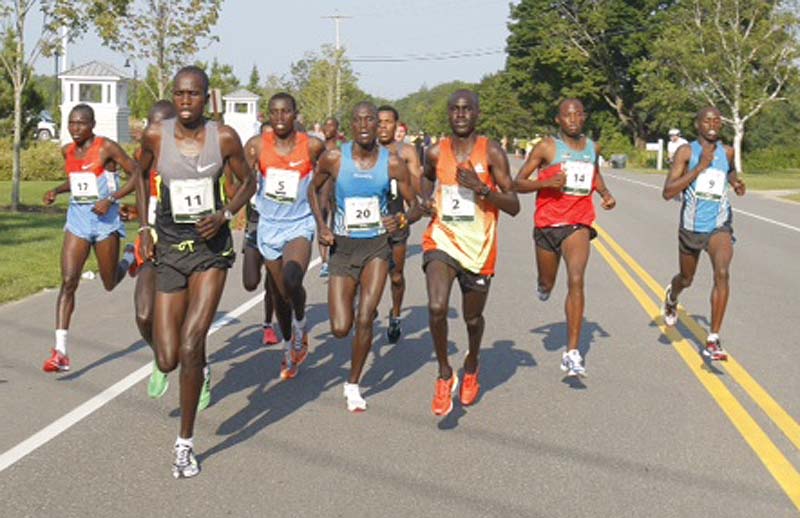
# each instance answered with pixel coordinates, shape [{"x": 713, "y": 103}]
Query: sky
[{"x": 272, "y": 35}]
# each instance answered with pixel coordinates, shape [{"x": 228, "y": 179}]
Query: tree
[
  {"x": 585, "y": 49},
  {"x": 426, "y": 109},
  {"x": 501, "y": 112},
  {"x": 737, "y": 55},
  {"x": 254, "y": 83},
  {"x": 32, "y": 100},
  {"x": 60, "y": 19},
  {"x": 165, "y": 34},
  {"x": 313, "y": 80}
]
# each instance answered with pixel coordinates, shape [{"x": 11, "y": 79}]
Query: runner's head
[
  {"x": 81, "y": 123},
  {"x": 282, "y": 111},
  {"x": 400, "y": 132},
  {"x": 190, "y": 94},
  {"x": 161, "y": 110},
  {"x": 387, "y": 124},
  {"x": 708, "y": 123},
  {"x": 571, "y": 117},
  {"x": 365, "y": 123},
  {"x": 463, "y": 110},
  {"x": 331, "y": 128}
]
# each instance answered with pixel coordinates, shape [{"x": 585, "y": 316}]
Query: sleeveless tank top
[
  {"x": 706, "y": 205},
  {"x": 396, "y": 202},
  {"x": 188, "y": 186},
  {"x": 283, "y": 183},
  {"x": 465, "y": 226},
  {"x": 362, "y": 196},
  {"x": 88, "y": 178},
  {"x": 573, "y": 205}
]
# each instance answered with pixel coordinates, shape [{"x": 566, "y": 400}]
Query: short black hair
[
  {"x": 387, "y": 108},
  {"x": 85, "y": 108},
  {"x": 333, "y": 120},
  {"x": 285, "y": 96},
  {"x": 463, "y": 92},
  {"x": 365, "y": 104},
  {"x": 196, "y": 71},
  {"x": 164, "y": 108}
]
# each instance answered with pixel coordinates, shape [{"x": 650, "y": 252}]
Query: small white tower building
[
  {"x": 241, "y": 113},
  {"x": 105, "y": 89}
]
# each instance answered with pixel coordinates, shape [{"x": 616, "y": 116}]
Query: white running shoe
[
  {"x": 185, "y": 465},
  {"x": 572, "y": 363},
  {"x": 355, "y": 403},
  {"x": 669, "y": 309},
  {"x": 543, "y": 295}
]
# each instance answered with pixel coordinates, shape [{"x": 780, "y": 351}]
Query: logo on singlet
[{"x": 202, "y": 169}]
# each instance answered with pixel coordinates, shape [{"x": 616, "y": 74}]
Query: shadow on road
[
  {"x": 105, "y": 359},
  {"x": 555, "y": 336}
]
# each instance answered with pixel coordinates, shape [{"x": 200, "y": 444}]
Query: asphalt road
[{"x": 653, "y": 430}]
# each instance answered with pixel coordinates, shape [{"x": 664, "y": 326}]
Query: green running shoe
[
  {"x": 158, "y": 384},
  {"x": 205, "y": 391}
]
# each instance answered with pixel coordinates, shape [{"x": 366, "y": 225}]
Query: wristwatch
[
  {"x": 227, "y": 214},
  {"x": 111, "y": 198},
  {"x": 484, "y": 191}
]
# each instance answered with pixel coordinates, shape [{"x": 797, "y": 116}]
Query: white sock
[
  {"x": 712, "y": 337},
  {"x": 266, "y": 325},
  {"x": 180, "y": 441},
  {"x": 128, "y": 258},
  {"x": 299, "y": 324},
  {"x": 61, "y": 341}
]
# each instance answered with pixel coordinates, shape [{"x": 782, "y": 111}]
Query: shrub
[
  {"x": 40, "y": 161},
  {"x": 767, "y": 160}
]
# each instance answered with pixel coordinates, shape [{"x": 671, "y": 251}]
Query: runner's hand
[
  {"x": 392, "y": 223},
  {"x": 49, "y": 197},
  {"x": 101, "y": 207},
  {"x": 739, "y": 187},
  {"x": 467, "y": 177},
  {"x": 428, "y": 207},
  {"x": 325, "y": 236},
  {"x": 146, "y": 248},
  {"x": 556, "y": 182},
  {"x": 608, "y": 201},
  {"x": 210, "y": 225}
]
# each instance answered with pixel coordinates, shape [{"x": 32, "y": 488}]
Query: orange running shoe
[
  {"x": 299, "y": 354},
  {"x": 443, "y": 396},
  {"x": 288, "y": 367},
  {"x": 470, "y": 388},
  {"x": 269, "y": 338},
  {"x": 57, "y": 362}
]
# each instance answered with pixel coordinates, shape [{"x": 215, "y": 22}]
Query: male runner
[
  {"x": 701, "y": 172},
  {"x": 568, "y": 174},
  {"x": 194, "y": 249},
  {"x": 331, "y": 132},
  {"x": 387, "y": 129},
  {"x": 253, "y": 263},
  {"x": 93, "y": 219},
  {"x": 473, "y": 182},
  {"x": 285, "y": 159},
  {"x": 361, "y": 171}
]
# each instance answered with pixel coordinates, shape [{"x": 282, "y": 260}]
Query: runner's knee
[
  {"x": 437, "y": 310},
  {"x": 292, "y": 277},
  {"x": 397, "y": 277},
  {"x": 575, "y": 281},
  {"x": 474, "y": 323},
  {"x": 166, "y": 362},
  {"x": 340, "y": 327},
  {"x": 685, "y": 280},
  {"x": 69, "y": 282},
  {"x": 721, "y": 275}
]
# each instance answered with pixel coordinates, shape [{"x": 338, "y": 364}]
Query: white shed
[
  {"x": 105, "y": 89},
  {"x": 241, "y": 113}
]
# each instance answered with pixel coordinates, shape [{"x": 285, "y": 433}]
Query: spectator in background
[{"x": 675, "y": 141}]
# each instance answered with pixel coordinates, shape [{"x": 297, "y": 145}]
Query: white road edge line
[
  {"x": 737, "y": 211},
  {"x": 62, "y": 424}
]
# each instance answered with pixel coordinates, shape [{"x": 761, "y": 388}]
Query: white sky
[{"x": 273, "y": 34}]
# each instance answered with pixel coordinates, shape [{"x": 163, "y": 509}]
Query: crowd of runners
[{"x": 191, "y": 176}]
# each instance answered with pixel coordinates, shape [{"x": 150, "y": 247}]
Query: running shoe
[
  {"x": 288, "y": 367},
  {"x": 185, "y": 465},
  {"x": 270, "y": 338},
  {"x": 443, "y": 396},
  {"x": 470, "y": 388},
  {"x": 133, "y": 266},
  {"x": 714, "y": 350},
  {"x": 323, "y": 270},
  {"x": 572, "y": 363},
  {"x": 669, "y": 310},
  {"x": 393, "y": 332},
  {"x": 158, "y": 384},
  {"x": 543, "y": 295},
  {"x": 57, "y": 362},
  {"x": 205, "y": 390},
  {"x": 299, "y": 346},
  {"x": 352, "y": 393}
]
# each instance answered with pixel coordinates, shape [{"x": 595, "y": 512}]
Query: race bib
[
  {"x": 191, "y": 200},
  {"x": 458, "y": 203},
  {"x": 711, "y": 184},
  {"x": 393, "y": 188},
  {"x": 83, "y": 187},
  {"x": 579, "y": 178},
  {"x": 280, "y": 185},
  {"x": 362, "y": 213}
]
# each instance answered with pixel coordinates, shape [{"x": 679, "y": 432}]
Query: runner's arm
[
  {"x": 133, "y": 169},
  {"x": 323, "y": 172},
  {"x": 679, "y": 177},
  {"x": 599, "y": 183},
  {"x": 398, "y": 171},
  {"x": 733, "y": 177},
  {"x": 543, "y": 153},
  {"x": 50, "y": 196},
  {"x": 409, "y": 155},
  {"x": 506, "y": 199},
  {"x": 428, "y": 180}
]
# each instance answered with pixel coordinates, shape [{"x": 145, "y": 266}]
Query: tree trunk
[
  {"x": 19, "y": 84},
  {"x": 738, "y": 137}
]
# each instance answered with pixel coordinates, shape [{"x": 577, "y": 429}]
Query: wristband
[
  {"x": 143, "y": 228},
  {"x": 111, "y": 198},
  {"x": 402, "y": 220}
]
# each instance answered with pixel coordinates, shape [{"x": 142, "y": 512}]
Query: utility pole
[{"x": 337, "y": 18}]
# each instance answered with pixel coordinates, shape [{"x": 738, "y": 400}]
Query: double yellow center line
[{"x": 773, "y": 459}]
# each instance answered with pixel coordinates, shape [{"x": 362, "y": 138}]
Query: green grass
[
  {"x": 783, "y": 180},
  {"x": 30, "y": 242},
  {"x": 793, "y": 197}
]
